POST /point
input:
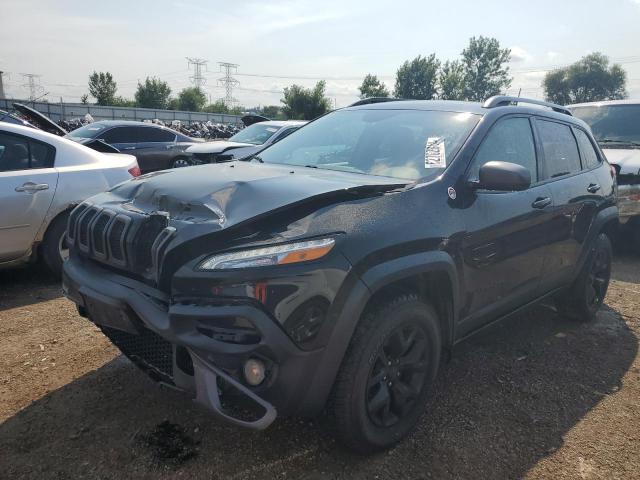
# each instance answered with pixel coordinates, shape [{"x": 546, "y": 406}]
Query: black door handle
[
  {"x": 593, "y": 188},
  {"x": 541, "y": 202}
]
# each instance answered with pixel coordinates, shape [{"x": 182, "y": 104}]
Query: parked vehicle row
[{"x": 333, "y": 270}]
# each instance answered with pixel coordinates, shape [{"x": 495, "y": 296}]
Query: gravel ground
[{"x": 533, "y": 397}]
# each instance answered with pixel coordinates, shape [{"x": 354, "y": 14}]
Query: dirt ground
[{"x": 534, "y": 397}]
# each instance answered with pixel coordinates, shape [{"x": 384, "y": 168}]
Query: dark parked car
[
  {"x": 334, "y": 271},
  {"x": 156, "y": 147}
]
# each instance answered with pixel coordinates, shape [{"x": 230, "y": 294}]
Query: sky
[{"x": 277, "y": 43}]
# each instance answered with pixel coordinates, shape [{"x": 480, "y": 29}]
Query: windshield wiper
[
  {"x": 623, "y": 142},
  {"x": 255, "y": 156}
]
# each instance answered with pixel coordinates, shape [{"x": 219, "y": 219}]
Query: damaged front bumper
[
  {"x": 183, "y": 344},
  {"x": 628, "y": 201}
]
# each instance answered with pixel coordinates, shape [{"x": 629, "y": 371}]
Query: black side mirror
[{"x": 503, "y": 176}]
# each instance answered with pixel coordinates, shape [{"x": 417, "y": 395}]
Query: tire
[
  {"x": 181, "y": 162},
  {"x": 586, "y": 295},
  {"x": 370, "y": 412},
  {"x": 53, "y": 248}
]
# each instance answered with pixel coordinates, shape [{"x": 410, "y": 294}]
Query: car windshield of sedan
[
  {"x": 612, "y": 124},
  {"x": 405, "y": 144},
  {"x": 256, "y": 134},
  {"x": 90, "y": 130}
]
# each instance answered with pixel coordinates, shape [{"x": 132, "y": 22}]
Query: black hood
[
  {"x": 39, "y": 120},
  {"x": 227, "y": 194}
]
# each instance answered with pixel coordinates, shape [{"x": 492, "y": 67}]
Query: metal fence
[{"x": 67, "y": 111}]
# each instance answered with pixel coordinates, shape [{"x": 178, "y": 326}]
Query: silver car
[{"x": 42, "y": 177}]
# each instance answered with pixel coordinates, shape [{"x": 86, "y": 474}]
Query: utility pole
[
  {"x": 197, "y": 78},
  {"x": 2, "y": 95},
  {"x": 32, "y": 83},
  {"x": 228, "y": 82}
]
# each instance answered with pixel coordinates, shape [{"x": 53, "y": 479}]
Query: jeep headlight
[{"x": 267, "y": 256}]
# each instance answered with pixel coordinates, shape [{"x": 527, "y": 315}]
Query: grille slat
[
  {"x": 98, "y": 231},
  {"x": 83, "y": 229},
  {"x": 116, "y": 239}
]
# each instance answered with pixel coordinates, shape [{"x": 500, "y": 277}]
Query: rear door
[
  {"x": 505, "y": 242},
  {"x": 154, "y": 148},
  {"x": 28, "y": 182},
  {"x": 576, "y": 194}
]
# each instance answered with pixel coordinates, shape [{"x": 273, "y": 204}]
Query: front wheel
[
  {"x": 587, "y": 293},
  {"x": 385, "y": 377},
  {"x": 54, "y": 249}
]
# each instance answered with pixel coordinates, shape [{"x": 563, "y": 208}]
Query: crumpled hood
[
  {"x": 627, "y": 159},
  {"x": 227, "y": 194},
  {"x": 217, "y": 147}
]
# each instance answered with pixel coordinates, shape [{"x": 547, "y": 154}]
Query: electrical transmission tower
[
  {"x": 228, "y": 82},
  {"x": 197, "y": 78},
  {"x": 32, "y": 82}
]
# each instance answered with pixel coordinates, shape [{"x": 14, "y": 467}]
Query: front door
[
  {"x": 27, "y": 184},
  {"x": 505, "y": 243}
]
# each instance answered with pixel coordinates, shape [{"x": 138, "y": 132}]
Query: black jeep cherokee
[{"x": 333, "y": 271}]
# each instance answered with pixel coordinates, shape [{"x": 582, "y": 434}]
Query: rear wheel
[
  {"x": 385, "y": 377},
  {"x": 54, "y": 249},
  {"x": 181, "y": 162},
  {"x": 587, "y": 293}
]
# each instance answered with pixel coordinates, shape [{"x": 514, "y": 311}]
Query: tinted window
[
  {"x": 560, "y": 149},
  {"x": 406, "y": 144},
  {"x": 151, "y": 134},
  {"x": 612, "y": 124},
  {"x": 589, "y": 156},
  {"x": 510, "y": 140},
  {"x": 121, "y": 135},
  {"x": 21, "y": 153},
  {"x": 285, "y": 132}
]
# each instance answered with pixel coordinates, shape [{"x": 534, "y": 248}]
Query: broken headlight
[{"x": 267, "y": 256}]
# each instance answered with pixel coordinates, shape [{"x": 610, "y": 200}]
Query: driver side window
[{"x": 509, "y": 140}]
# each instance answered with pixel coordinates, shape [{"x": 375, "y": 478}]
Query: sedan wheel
[{"x": 181, "y": 162}]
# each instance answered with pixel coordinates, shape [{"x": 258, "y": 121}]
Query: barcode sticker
[{"x": 434, "y": 153}]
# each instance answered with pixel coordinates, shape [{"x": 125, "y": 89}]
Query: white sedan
[{"x": 42, "y": 177}]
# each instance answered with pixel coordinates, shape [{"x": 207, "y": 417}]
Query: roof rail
[
  {"x": 370, "y": 100},
  {"x": 504, "y": 100}
]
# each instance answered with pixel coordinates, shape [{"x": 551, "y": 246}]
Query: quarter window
[
  {"x": 21, "y": 153},
  {"x": 510, "y": 140},
  {"x": 589, "y": 156},
  {"x": 560, "y": 149}
]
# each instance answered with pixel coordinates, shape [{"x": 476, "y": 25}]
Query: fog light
[{"x": 254, "y": 371}]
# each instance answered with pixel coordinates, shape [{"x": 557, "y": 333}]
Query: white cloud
[
  {"x": 520, "y": 55},
  {"x": 554, "y": 55}
]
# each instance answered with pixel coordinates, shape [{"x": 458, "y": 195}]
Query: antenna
[
  {"x": 32, "y": 82},
  {"x": 197, "y": 78},
  {"x": 228, "y": 82}
]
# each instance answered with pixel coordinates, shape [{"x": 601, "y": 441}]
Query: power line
[
  {"x": 198, "y": 79},
  {"x": 32, "y": 82},
  {"x": 228, "y": 82}
]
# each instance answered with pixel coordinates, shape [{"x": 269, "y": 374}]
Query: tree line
[{"x": 481, "y": 71}]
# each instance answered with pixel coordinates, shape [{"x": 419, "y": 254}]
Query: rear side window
[
  {"x": 152, "y": 134},
  {"x": 21, "y": 153},
  {"x": 589, "y": 156},
  {"x": 510, "y": 140},
  {"x": 121, "y": 135},
  {"x": 560, "y": 150}
]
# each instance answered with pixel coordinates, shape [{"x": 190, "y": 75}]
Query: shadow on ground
[
  {"x": 502, "y": 404},
  {"x": 25, "y": 286}
]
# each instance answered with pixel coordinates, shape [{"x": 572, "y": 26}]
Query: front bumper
[
  {"x": 628, "y": 201},
  {"x": 129, "y": 311}
]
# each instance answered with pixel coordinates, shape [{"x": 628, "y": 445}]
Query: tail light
[{"x": 135, "y": 171}]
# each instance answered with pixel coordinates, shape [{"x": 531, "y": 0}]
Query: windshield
[
  {"x": 256, "y": 134},
  {"x": 88, "y": 131},
  {"x": 405, "y": 144},
  {"x": 612, "y": 123}
]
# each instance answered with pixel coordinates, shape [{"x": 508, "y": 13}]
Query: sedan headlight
[{"x": 267, "y": 256}]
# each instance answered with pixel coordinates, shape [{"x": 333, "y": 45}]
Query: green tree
[
  {"x": 84, "y": 99},
  {"x": 305, "y": 103},
  {"x": 217, "y": 107},
  {"x": 102, "y": 87},
  {"x": 486, "y": 72},
  {"x": 372, "y": 87},
  {"x": 590, "y": 79},
  {"x": 153, "y": 93},
  {"x": 191, "y": 99},
  {"x": 417, "y": 79},
  {"x": 271, "y": 111},
  {"x": 119, "y": 101},
  {"x": 451, "y": 81}
]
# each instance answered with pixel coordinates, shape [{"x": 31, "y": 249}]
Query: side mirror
[{"x": 503, "y": 176}]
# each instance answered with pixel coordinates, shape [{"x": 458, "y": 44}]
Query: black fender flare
[
  {"x": 603, "y": 217},
  {"x": 360, "y": 290}
]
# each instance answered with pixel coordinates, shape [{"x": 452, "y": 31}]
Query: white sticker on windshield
[
  {"x": 271, "y": 129},
  {"x": 434, "y": 154}
]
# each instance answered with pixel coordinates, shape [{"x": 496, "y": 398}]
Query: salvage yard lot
[{"x": 535, "y": 396}]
